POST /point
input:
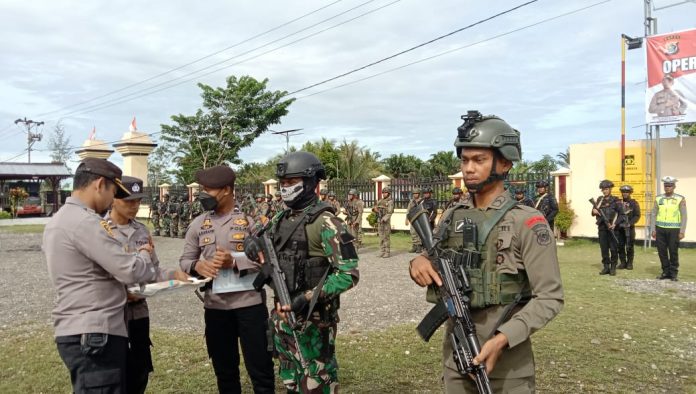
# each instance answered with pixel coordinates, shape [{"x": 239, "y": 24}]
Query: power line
[
  {"x": 15, "y": 157},
  {"x": 194, "y": 61},
  {"x": 455, "y": 49},
  {"x": 417, "y": 46},
  {"x": 147, "y": 91}
]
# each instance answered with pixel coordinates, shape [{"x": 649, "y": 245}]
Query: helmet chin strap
[{"x": 474, "y": 188}]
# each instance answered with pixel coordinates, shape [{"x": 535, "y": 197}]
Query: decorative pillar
[
  {"x": 164, "y": 189},
  {"x": 94, "y": 148},
  {"x": 381, "y": 182},
  {"x": 135, "y": 147},
  {"x": 323, "y": 184},
  {"x": 561, "y": 184},
  {"x": 457, "y": 180},
  {"x": 192, "y": 188},
  {"x": 270, "y": 186}
]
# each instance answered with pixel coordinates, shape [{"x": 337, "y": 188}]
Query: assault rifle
[
  {"x": 604, "y": 219},
  {"x": 454, "y": 304}
]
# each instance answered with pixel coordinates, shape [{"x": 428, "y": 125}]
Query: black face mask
[{"x": 208, "y": 202}]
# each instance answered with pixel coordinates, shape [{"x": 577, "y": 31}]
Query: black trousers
[
  {"x": 139, "y": 357},
  {"x": 225, "y": 330},
  {"x": 667, "y": 241},
  {"x": 97, "y": 362},
  {"x": 607, "y": 246},
  {"x": 627, "y": 238}
]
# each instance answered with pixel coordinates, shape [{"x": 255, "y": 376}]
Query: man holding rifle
[
  {"x": 507, "y": 253},
  {"x": 606, "y": 209},
  {"x": 311, "y": 261}
]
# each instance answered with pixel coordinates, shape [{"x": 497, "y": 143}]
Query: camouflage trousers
[
  {"x": 415, "y": 239},
  {"x": 384, "y": 231},
  {"x": 317, "y": 346},
  {"x": 183, "y": 225},
  {"x": 356, "y": 231},
  {"x": 166, "y": 224},
  {"x": 174, "y": 229},
  {"x": 156, "y": 224}
]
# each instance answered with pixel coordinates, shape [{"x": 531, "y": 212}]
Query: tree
[
  {"x": 564, "y": 158},
  {"x": 544, "y": 165},
  {"x": 443, "y": 163},
  {"x": 158, "y": 171},
  {"x": 521, "y": 167},
  {"x": 356, "y": 162},
  {"x": 231, "y": 118},
  {"x": 59, "y": 144},
  {"x": 687, "y": 129},
  {"x": 327, "y": 152},
  {"x": 402, "y": 166}
]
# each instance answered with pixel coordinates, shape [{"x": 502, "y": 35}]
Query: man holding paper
[{"x": 235, "y": 313}]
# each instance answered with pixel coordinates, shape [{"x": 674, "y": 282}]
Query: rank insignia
[
  {"x": 207, "y": 223},
  {"x": 240, "y": 247},
  {"x": 238, "y": 236},
  {"x": 241, "y": 222},
  {"x": 107, "y": 228},
  {"x": 206, "y": 240}
]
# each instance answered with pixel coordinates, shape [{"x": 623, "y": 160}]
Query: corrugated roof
[{"x": 28, "y": 171}]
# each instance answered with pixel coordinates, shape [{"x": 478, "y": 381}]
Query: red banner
[{"x": 671, "y": 93}]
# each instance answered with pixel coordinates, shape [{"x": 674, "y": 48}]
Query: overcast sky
[{"x": 557, "y": 82}]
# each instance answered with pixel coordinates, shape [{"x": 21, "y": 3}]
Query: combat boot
[
  {"x": 612, "y": 269},
  {"x": 605, "y": 270},
  {"x": 622, "y": 266},
  {"x": 629, "y": 265}
]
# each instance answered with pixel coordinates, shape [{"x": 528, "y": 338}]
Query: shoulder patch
[
  {"x": 106, "y": 227},
  {"x": 534, "y": 220},
  {"x": 543, "y": 235}
]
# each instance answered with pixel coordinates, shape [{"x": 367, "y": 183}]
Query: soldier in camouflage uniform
[
  {"x": 384, "y": 209},
  {"x": 334, "y": 202},
  {"x": 516, "y": 286},
  {"x": 184, "y": 216},
  {"x": 155, "y": 215},
  {"x": 174, "y": 217},
  {"x": 322, "y": 195},
  {"x": 310, "y": 236},
  {"x": 164, "y": 215},
  {"x": 354, "y": 213},
  {"x": 277, "y": 204},
  {"x": 196, "y": 207},
  {"x": 456, "y": 198},
  {"x": 262, "y": 209},
  {"x": 430, "y": 204},
  {"x": 415, "y": 240}
]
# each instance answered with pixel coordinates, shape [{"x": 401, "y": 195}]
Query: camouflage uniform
[
  {"x": 155, "y": 215},
  {"x": 456, "y": 198},
  {"x": 354, "y": 212},
  {"x": 415, "y": 240},
  {"x": 184, "y": 217},
  {"x": 277, "y": 205},
  {"x": 334, "y": 202},
  {"x": 262, "y": 209},
  {"x": 164, "y": 215},
  {"x": 196, "y": 207},
  {"x": 317, "y": 341},
  {"x": 428, "y": 203},
  {"x": 384, "y": 209},
  {"x": 174, "y": 215}
]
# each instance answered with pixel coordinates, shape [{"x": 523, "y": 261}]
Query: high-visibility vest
[{"x": 668, "y": 214}]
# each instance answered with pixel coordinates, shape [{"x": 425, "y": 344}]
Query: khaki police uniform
[
  {"x": 89, "y": 267},
  {"x": 667, "y": 102},
  {"x": 231, "y": 318},
  {"x": 521, "y": 245}
]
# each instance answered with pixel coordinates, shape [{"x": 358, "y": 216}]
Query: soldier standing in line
[
  {"x": 89, "y": 268},
  {"x": 318, "y": 257},
  {"x": 669, "y": 216},
  {"x": 354, "y": 214},
  {"x": 322, "y": 194},
  {"x": 610, "y": 207},
  {"x": 174, "y": 207},
  {"x": 164, "y": 215},
  {"x": 522, "y": 198},
  {"x": 429, "y": 204},
  {"x": 626, "y": 231},
  {"x": 456, "y": 198},
  {"x": 214, "y": 248},
  {"x": 184, "y": 216},
  {"x": 546, "y": 203},
  {"x": 132, "y": 235},
  {"x": 416, "y": 245},
  {"x": 384, "y": 209},
  {"x": 334, "y": 202},
  {"x": 523, "y": 290},
  {"x": 276, "y": 204},
  {"x": 155, "y": 215},
  {"x": 262, "y": 209},
  {"x": 196, "y": 208}
]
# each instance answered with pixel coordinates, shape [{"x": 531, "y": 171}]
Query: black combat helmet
[
  {"x": 457, "y": 190},
  {"x": 626, "y": 189},
  {"x": 303, "y": 165},
  {"x": 605, "y": 184},
  {"x": 542, "y": 183}
]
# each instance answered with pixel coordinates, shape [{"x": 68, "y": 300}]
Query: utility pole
[
  {"x": 287, "y": 134},
  {"x": 31, "y": 137}
]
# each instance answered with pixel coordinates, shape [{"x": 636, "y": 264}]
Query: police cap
[
  {"x": 216, "y": 177},
  {"x": 105, "y": 169},
  {"x": 134, "y": 186}
]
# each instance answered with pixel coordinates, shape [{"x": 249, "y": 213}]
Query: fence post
[
  {"x": 561, "y": 181},
  {"x": 381, "y": 182},
  {"x": 270, "y": 186},
  {"x": 192, "y": 188},
  {"x": 164, "y": 189}
]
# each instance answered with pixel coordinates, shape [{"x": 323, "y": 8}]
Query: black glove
[
  {"x": 300, "y": 304},
  {"x": 252, "y": 248}
]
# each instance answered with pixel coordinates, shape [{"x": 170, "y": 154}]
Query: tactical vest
[
  {"x": 302, "y": 272},
  {"x": 488, "y": 286},
  {"x": 668, "y": 213}
]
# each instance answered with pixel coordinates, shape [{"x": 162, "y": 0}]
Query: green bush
[
  {"x": 565, "y": 216},
  {"x": 5, "y": 215},
  {"x": 372, "y": 220}
]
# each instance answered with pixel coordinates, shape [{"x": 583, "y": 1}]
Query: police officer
[
  {"x": 456, "y": 198},
  {"x": 164, "y": 215},
  {"x": 626, "y": 230},
  {"x": 334, "y": 202},
  {"x": 174, "y": 208},
  {"x": 606, "y": 211},
  {"x": 384, "y": 209},
  {"x": 669, "y": 216},
  {"x": 545, "y": 202},
  {"x": 518, "y": 255},
  {"x": 354, "y": 213},
  {"x": 668, "y": 101},
  {"x": 429, "y": 204},
  {"x": 214, "y": 248},
  {"x": 184, "y": 216},
  {"x": 522, "y": 198},
  {"x": 154, "y": 215},
  {"x": 318, "y": 258},
  {"x": 132, "y": 235},
  {"x": 416, "y": 245},
  {"x": 89, "y": 267}
]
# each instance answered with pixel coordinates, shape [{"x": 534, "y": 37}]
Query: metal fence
[
  {"x": 365, "y": 189},
  {"x": 528, "y": 180}
]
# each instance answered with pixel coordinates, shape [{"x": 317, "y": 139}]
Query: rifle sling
[{"x": 485, "y": 228}]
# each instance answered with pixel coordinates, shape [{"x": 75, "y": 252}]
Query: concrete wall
[{"x": 588, "y": 167}]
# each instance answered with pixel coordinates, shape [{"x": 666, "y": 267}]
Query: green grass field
[{"x": 605, "y": 340}]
